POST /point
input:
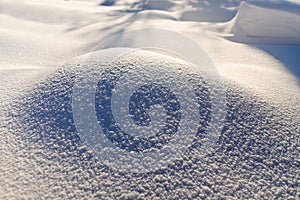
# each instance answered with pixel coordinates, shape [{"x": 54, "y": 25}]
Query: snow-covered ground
[{"x": 255, "y": 47}]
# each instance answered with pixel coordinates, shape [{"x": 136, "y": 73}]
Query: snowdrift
[{"x": 263, "y": 23}]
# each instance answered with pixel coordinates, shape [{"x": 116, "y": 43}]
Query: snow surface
[{"x": 254, "y": 46}]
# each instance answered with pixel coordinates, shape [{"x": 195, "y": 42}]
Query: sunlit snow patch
[{"x": 142, "y": 110}]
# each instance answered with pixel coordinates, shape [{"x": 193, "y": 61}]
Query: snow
[
  {"x": 253, "y": 45},
  {"x": 255, "y": 23}
]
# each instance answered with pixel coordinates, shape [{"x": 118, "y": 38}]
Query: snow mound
[
  {"x": 275, "y": 23},
  {"x": 257, "y": 141},
  {"x": 136, "y": 80}
]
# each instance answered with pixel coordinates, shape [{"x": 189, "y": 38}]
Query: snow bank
[{"x": 267, "y": 23}]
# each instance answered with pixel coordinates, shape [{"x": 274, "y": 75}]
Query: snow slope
[
  {"x": 254, "y": 46},
  {"x": 267, "y": 24}
]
